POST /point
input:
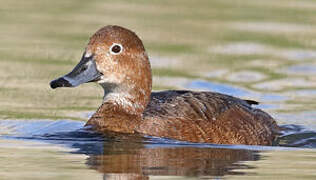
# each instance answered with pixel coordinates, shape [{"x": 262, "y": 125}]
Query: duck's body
[
  {"x": 192, "y": 116},
  {"x": 116, "y": 59}
]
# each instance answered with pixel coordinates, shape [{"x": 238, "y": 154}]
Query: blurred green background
[{"x": 262, "y": 46}]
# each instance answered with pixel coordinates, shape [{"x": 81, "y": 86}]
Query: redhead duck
[{"x": 116, "y": 59}]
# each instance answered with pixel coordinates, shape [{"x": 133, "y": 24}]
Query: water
[
  {"x": 260, "y": 50},
  {"x": 131, "y": 158}
]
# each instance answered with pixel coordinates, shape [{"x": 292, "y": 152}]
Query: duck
[{"x": 116, "y": 59}]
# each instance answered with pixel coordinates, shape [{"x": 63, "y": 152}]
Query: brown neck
[
  {"x": 132, "y": 102},
  {"x": 132, "y": 94},
  {"x": 122, "y": 108}
]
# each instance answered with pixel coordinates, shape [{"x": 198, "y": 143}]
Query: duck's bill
[{"x": 85, "y": 71}]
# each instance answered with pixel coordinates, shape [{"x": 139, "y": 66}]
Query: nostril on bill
[
  {"x": 83, "y": 68},
  {"x": 60, "y": 82}
]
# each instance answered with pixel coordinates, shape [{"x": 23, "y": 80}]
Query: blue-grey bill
[{"x": 85, "y": 71}]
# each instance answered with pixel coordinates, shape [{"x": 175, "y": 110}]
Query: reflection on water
[
  {"x": 131, "y": 160},
  {"x": 142, "y": 158},
  {"x": 135, "y": 159}
]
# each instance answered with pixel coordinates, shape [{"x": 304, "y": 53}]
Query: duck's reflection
[
  {"x": 124, "y": 157},
  {"x": 122, "y": 160}
]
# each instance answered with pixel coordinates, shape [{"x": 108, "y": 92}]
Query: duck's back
[{"x": 207, "y": 117}]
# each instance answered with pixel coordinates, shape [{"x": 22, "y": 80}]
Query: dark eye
[{"x": 116, "y": 49}]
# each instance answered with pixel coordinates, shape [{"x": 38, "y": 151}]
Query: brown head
[{"x": 116, "y": 59}]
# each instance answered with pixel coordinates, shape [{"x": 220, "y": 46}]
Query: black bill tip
[{"x": 60, "y": 82}]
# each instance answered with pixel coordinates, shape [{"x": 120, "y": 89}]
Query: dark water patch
[{"x": 297, "y": 136}]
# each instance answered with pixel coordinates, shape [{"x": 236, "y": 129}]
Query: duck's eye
[{"x": 116, "y": 49}]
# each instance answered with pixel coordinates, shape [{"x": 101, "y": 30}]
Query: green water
[{"x": 261, "y": 50}]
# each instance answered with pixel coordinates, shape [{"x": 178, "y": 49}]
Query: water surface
[
  {"x": 259, "y": 50},
  {"x": 61, "y": 147}
]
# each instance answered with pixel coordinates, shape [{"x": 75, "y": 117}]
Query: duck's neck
[
  {"x": 131, "y": 103},
  {"x": 120, "y": 111},
  {"x": 131, "y": 97}
]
